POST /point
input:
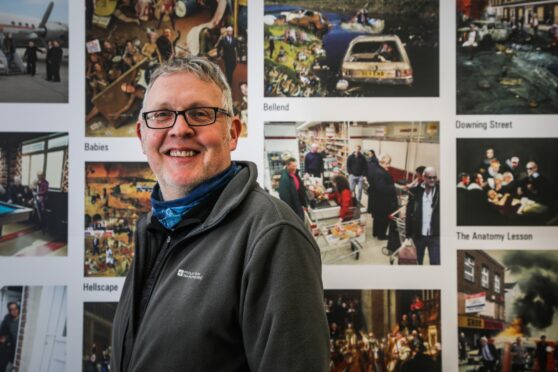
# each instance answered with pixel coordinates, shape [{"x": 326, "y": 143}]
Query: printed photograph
[
  {"x": 33, "y": 194},
  {"x": 384, "y": 330},
  {"x": 116, "y": 195},
  {"x": 351, "y": 49},
  {"x": 507, "y": 57},
  {"x": 507, "y": 181},
  {"x": 33, "y": 332},
  {"x": 97, "y": 334},
  {"x": 507, "y": 310},
  {"x": 360, "y": 187},
  {"x": 127, "y": 39},
  {"x": 34, "y": 51}
]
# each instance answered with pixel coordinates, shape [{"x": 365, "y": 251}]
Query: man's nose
[{"x": 181, "y": 126}]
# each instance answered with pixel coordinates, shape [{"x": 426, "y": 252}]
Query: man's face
[
  {"x": 291, "y": 167},
  {"x": 531, "y": 168},
  {"x": 430, "y": 179},
  {"x": 357, "y": 149},
  {"x": 182, "y": 157},
  {"x": 489, "y": 153},
  {"x": 14, "y": 311}
]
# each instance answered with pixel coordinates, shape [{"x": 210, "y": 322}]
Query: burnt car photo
[
  {"x": 308, "y": 19},
  {"x": 376, "y": 59}
]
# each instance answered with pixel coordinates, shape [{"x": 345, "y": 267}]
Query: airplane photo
[{"x": 34, "y": 51}]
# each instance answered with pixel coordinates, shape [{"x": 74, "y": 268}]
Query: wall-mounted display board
[{"x": 384, "y": 98}]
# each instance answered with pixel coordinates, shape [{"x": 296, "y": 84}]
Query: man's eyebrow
[{"x": 167, "y": 106}]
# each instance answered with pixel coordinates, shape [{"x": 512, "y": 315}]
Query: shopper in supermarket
[
  {"x": 372, "y": 164},
  {"x": 344, "y": 197},
  {"x": 291, "y": 188},
  {"x": 224, "y": 277},
  {"x": 314, "y": 162},
  {"x": 357, "y": 167},
  {"x": 422, "y": 221},
  {"x": 385, "y": 198}
]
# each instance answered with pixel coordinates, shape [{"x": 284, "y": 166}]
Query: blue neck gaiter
[{"x": 170, "y": 212}]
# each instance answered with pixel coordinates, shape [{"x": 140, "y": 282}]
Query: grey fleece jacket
[{"x": 239, "y": 291}]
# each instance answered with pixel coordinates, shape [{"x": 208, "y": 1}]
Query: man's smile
[{"x": 182, "y": 153}]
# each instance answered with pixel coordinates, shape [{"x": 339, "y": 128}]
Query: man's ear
[
  {"x": 139, "y": 134},
  {"x": 234, "y": 132}
]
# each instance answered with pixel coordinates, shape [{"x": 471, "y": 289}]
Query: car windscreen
[{"x": 376, "y": 51}]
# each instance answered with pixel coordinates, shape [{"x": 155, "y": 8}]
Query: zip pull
[{"x": 168, "y": 240}]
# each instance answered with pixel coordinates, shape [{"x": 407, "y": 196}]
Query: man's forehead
[{"x": 183, "y": 86}]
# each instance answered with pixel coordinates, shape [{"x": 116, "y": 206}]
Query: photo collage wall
[{"x": 427, "y": 109}]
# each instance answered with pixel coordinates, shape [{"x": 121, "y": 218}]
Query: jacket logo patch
[{"x": 189, "y": 274}]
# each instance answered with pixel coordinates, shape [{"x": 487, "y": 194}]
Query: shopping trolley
[{"x": 396, "y": 250}]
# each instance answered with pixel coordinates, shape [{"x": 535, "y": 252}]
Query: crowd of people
[
  {"x": 355, "y": 347},
  {"x": 421, "y": 213},
  {"x": 109, "y": 226},
  {"x": 504, "y": 191},
  {"x": 294, "y": 60},
  {"x": 53, "y": 56},
  {"x": 111, "y": 57}
]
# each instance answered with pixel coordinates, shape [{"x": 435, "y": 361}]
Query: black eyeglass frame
[{"x": 183, "y": 113}]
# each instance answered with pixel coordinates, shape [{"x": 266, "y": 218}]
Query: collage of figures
[{"x": 414, "y": 138}]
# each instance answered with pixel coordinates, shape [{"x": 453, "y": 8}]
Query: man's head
[
  {"x": 514, "y": 161},
  {"x": 418, "y": 173},
  {"x": 183, "y": 156},
  {"x": 314, "y": 147},
  {"x": 290, "y": 165},
  {"x": 55, "y": 43},
  {"x": 31, "y": 44},
  {"x": 532, "y": 168},
  {"x": 495, "y": 165},
  {"x": 357, "y": 149},
  {"x": 430, "y": 177},
  {"x": 464, "y": 178},
  {"x": 167, "y": 33},
  {"x": 229, "y": 31},
  {"x": 13, "y": 309},
  {"x": 40, "y": 176},
  {"x": 489, "y": 153},
  {"x": 385, "y": 162}
]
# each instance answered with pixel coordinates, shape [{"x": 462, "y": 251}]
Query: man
[
  {"x": 541, "y": 354},
  {"x": 385, "y": 198},
  {"x": 8, "y": 46},
  {"x": 165, "y": 46},
  {"x": 225, "y": 277},
  {"x": 291, "y": 188},
  {"x": 423, "y": 217},
  {"x": 372, "y": 164},
  {"x": 519, "y": 355},
  {"x": 356, "y": 167},
  {"x": 31, "y": 57},
  {"x": 227, "y": 46},
  {"x": 55, "y": 60},
  {"x": 489, "y": 355},
  {"x": 314, "y": 162},
  {"x": 8, "y": 335},
  {"x": 464, "y": 180},
  {"x": 535, "y": 186}
]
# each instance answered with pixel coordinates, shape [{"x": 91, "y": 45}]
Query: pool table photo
[{"x": 11, "y": 213}]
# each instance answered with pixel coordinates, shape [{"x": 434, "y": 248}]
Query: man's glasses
[{"x": 195, "y": 117}]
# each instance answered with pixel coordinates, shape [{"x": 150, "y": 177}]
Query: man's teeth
[{"x": 182, "y": 153}]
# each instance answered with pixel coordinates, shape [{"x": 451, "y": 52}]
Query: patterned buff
[{"x": 169, "y": 213}]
